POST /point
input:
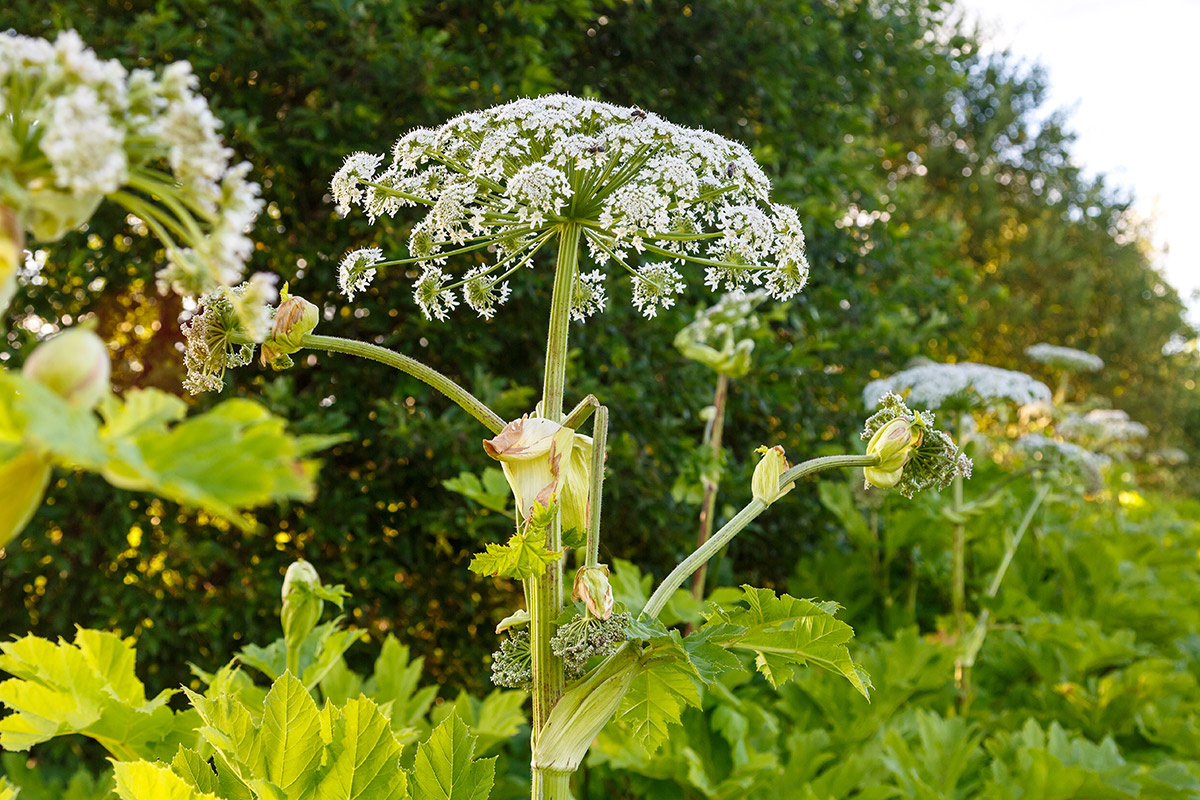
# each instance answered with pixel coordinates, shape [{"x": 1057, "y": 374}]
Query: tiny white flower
[
  {"x": 656, "y": 285},
  {"x": 345, "y": 186},
  {"x": 434, "y": 301},
  {"x": 358, "y": 270}
]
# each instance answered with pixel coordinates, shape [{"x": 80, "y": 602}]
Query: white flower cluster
[
  {"x": 223, "y": 332},
  {"x": 1102, "y": 426},
  {"x": 510, "y": 177},
  {"x": 75, "y": 129},
  {"x": 1067, "y": 358},
  {"x": 958, "y": 386},
  {"x": 1057, "y": 454}
]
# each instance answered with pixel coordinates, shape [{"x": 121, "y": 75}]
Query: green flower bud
[
  {"x": 581, "y": 713},
  {"x": 593, "y": 588},
  {"x": 295, "y": 318},
  {"x": 534, "y": 454},
  {"x": 12, "y": 245},
  {"x": 74, "y": 365},
  {"x": 575, "y": 502},
  {"x": 53, "y": 213},
  {"x": 893, "y": 444},
  {"x": 23, "y": 480},
  {"x": 765, "y": 483},
  {"x": 302, "y": 605},
  {"x": 914, "y": 456}
]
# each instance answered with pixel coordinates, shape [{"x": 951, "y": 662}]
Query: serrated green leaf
[
  {"x": 362, "y": 761},
  {"x": 88, "y": 687},
  {"x": 196, "y": 771},
  {"x": 291, "y": 733},
  {"x": 445, "y": 769},
  {"x": 141, "y": 780},
  {"x": 233, "y": 457},
  {"x": 493, "y": 720},
  {"x": 33, "y": 782},
  {"x": 786, "y": 633},
  {"x": 666, "y": 684},
  {"x": 394, "y": 686},
  {"x": 524, "y": 556}
]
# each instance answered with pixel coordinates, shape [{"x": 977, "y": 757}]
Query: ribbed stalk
[
  {"x": 426, "y": 374},
  {"x": 545, "y": 600},
  {"x": 701, "y": 555},
  {"x": 711, "y": 482}
]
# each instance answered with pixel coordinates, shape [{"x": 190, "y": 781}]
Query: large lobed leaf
[
  {"x": 86, "y": 687},
  {"x": 291, "y": 750},
  {"x": 786, "y": 633},
  {"x": 445, "y": 767},
  {"x": 233, "y": 457}
]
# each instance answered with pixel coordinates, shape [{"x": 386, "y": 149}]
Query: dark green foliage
[{"x": 855, "y": 108}]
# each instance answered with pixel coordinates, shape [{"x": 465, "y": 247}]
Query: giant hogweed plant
[
  {"x": 968, "y": 391},
  {"x": 631, "y": 192}
]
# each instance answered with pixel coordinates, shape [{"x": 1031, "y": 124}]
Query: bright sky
[{"x": 1127, "y": 68}]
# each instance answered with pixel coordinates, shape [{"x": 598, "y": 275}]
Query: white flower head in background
[
  {"x": 1055, "y": 454},
  {"x": 1103, "y": 426},
  {"x": 80, "y": 129},
  {"x": 504, "y": 181},
  {"x": 1066, "y": 358},
  {"x": 963, "y": 386}
]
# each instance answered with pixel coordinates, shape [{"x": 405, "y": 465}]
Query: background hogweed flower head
[
  {"x": 930, "y": 460},
  {"x": 1067, "y": 358},
  {"x": 1103, "y": 426},
  {"x": 1055, "y": 454},
  {"x": 76, "y": 129},
  {"x": 505, "y": 180},
  {"x": 963, "y": 386}
]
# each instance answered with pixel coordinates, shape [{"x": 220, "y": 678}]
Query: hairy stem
[
  {"x": 596, "y": 491},
  {"x": 428, "y": 375},
  {"x": 729, "y": 530},
  {"x": 979, "y": 633},
  {"x": 546, "y": 600},
  {"x": 712, "y": 437},
  {"x": 958, "y": 574}
]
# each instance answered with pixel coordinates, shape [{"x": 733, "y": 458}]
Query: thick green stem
[
  {"x": 428, "y": 375},
  {"x": 979, "y": 633},
  {"x": 548, "y": 784},
  {"x": 704, "y": 552},
  {"x": 708, "y": 509},
  {"x": 974, "y": 642},
  {"x": 596, "y": 491},
  {"x": 958, "y": 576},
  {"x": 546, "y": 600},
  {"x": 560, "y": 322}
]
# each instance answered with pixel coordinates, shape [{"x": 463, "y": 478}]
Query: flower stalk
[
  {"x": 545, "y": 598},
  {"x": 712, "y": 437},
  {"x": 701, "y": 555},
  {"x": 426, "y": 374}
]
